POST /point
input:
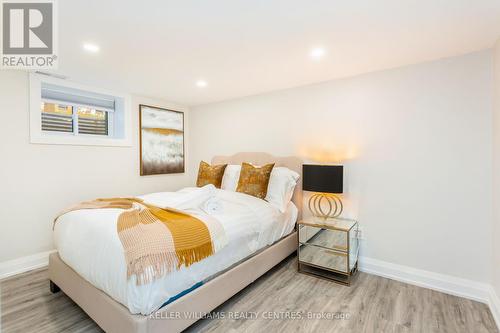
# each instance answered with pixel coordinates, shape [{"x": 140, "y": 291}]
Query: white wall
[
  {"x": 496, "y": 170},
  {"x": 417, "y": 145},
  {"x": 37, "y": 181}
]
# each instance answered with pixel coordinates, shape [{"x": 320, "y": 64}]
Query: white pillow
[
  {"x": 281, "y": 185},
  {"x": 279, "y": 191},
  {"x": 231, "y": 177}
]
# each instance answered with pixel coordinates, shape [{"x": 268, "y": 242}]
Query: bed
[{"x": 104, "y": 300}]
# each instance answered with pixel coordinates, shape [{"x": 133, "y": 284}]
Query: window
[
  {"x": 71, "y": 114},
  {"x": 57, "y": 118},
  {"x": 92, "y": 121}
]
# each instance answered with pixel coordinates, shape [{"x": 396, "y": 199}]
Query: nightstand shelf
[{"x": 328, "y": 248}]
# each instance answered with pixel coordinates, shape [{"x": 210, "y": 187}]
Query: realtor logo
[{"x": 28, "y": 34}]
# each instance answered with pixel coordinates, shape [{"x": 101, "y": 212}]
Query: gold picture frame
[{"x": 161, "y": 141}]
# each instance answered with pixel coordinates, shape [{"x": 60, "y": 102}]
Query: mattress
[{"x": 88, "y": 242}]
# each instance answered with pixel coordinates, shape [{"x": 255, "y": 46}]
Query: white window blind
[{"x": 78, "y": 98}]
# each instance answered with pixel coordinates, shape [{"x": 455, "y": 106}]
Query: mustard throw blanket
[{"x": 156, "y": 240}]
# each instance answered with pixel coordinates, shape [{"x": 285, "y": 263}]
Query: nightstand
[{"x": 328, "y": 248}]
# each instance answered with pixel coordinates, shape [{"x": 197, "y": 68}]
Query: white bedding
[{"x": 88, "y": 242}]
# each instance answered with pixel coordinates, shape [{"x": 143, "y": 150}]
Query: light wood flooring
[{"x": 371, "y": 304}]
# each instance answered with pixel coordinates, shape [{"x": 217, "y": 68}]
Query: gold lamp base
[{"x": 334, "y": 204}]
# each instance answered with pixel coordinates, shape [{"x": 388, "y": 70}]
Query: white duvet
[{"x": 88, "y": 242}]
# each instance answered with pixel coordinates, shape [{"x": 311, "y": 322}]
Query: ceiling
[{"x": 160, "y": 48}]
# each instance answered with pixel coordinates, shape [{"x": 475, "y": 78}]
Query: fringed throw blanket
[{"x": 159, "y": 240}]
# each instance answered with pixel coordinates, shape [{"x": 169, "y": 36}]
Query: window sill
[{"x": 80, "y": 141}]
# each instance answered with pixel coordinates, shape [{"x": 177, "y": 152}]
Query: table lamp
[{"x": 326, "y": 181}]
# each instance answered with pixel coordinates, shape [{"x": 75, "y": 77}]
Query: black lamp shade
[{"x": 323, "y": 178}]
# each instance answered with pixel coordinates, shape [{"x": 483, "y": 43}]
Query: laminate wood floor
[{"x": 371, "y": 304}]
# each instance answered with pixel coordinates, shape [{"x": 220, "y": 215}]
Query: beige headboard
[{"x": 291, "y": 162}]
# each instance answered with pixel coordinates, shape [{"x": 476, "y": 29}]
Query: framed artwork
[{"x": 161, "y": 140}]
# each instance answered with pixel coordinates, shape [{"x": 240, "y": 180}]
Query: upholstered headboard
[{"x": 291, "y": 162}]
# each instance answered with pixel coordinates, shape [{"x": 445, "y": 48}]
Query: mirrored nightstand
[{"x": 328, "y": 248}]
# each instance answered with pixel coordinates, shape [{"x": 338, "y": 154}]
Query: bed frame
[{"x": 112, "y": 316}]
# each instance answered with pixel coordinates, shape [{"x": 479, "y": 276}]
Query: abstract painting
[{"x": 161, "y": 140}]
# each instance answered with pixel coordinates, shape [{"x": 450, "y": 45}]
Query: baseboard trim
[
  {"x": 494, "y": 303},
  {"x": 477, "y": 291},
  {"x": 24, "y": 264},
  {"x": 440, "y": 282}
]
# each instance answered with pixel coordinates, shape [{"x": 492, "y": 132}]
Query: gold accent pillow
[
  {"x": 210, "y": 174},
  {"x": 254, "y": 180}
]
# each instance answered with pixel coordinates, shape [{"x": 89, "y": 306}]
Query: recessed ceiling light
[
  {"x": 91, "y": 47},
  {"x": 317, "y": 53},
  {"x": 201, "y": 83}
]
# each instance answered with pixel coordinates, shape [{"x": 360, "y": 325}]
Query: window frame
[{"x": 37, "y": 136}]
